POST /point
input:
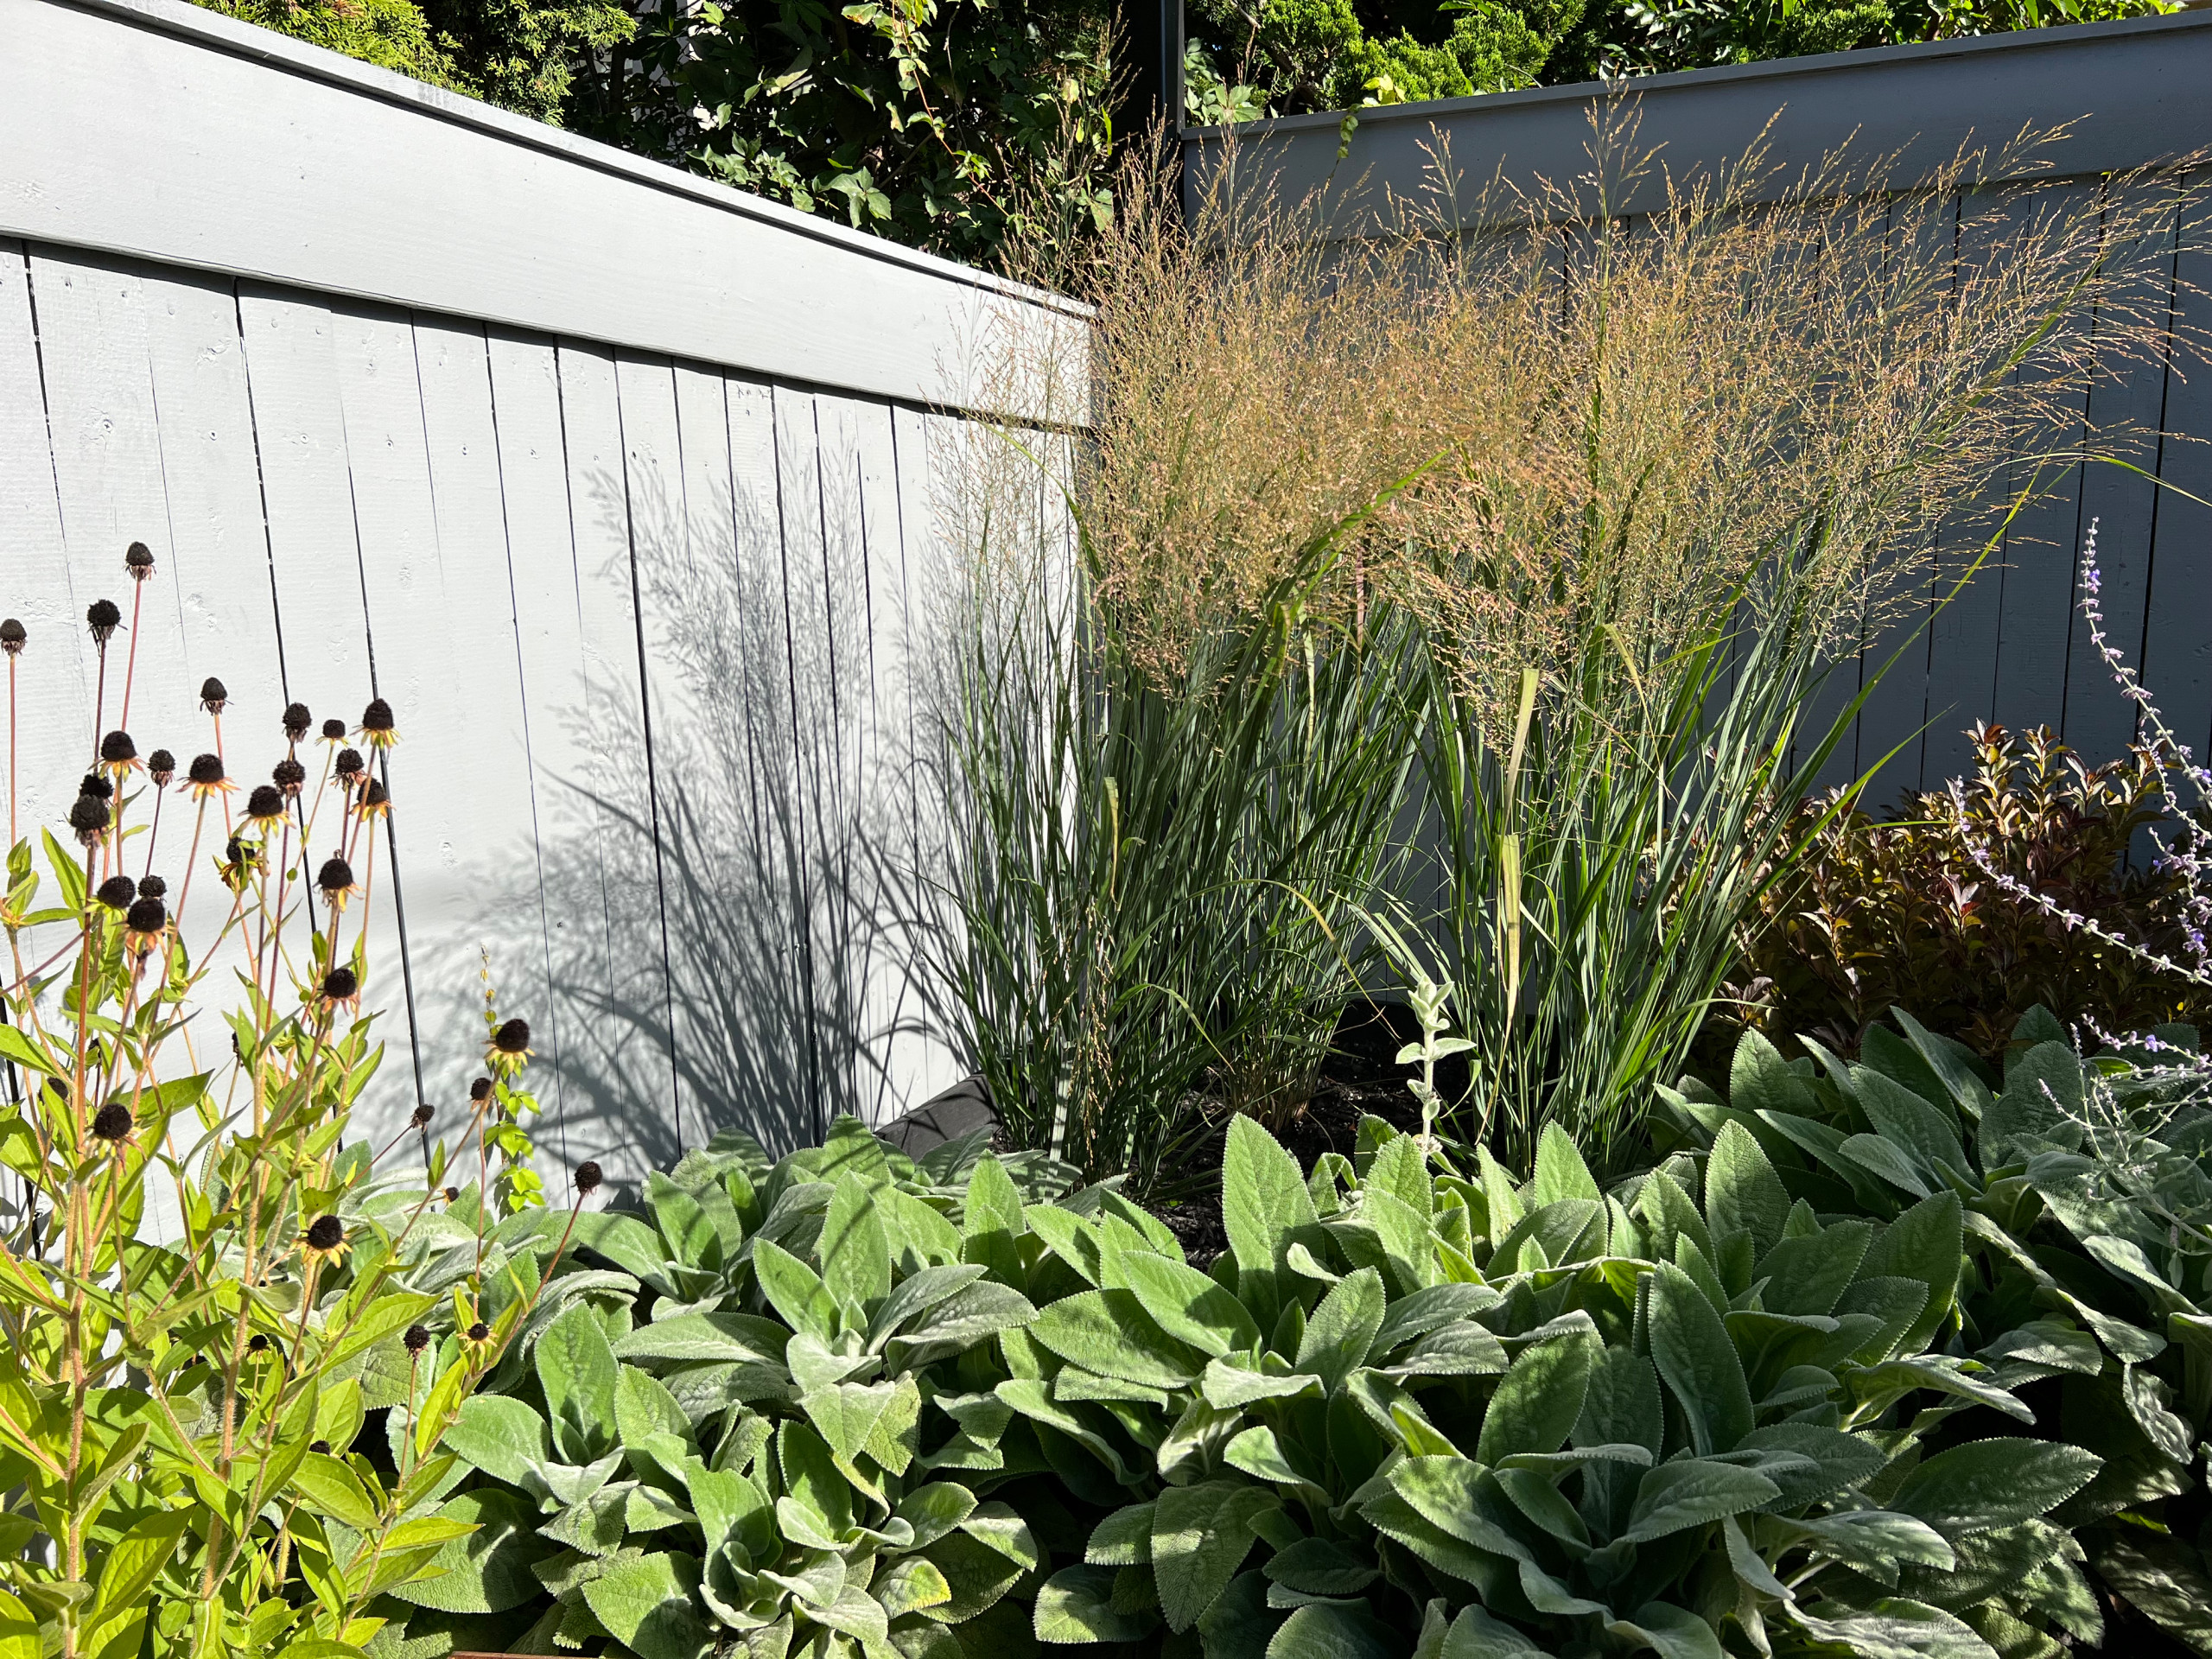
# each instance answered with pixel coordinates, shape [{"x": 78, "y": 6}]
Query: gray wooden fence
[
  {"x": 2012, "y": 648},
  {"x": 616, "y": 484}
]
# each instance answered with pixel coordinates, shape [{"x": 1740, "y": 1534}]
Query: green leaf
[
  {"x": 811, "y": 1475},
  {"x": 1263, "y": 1199},
  {"x": 1807, "y": 1274},
  {"x": 1926, "y": 1242},
  {"x": 742, "y": 1338},
  {"x": 2165, "y": 1579},
  {"x": 1108, "y": 1332},
  {"x": 1476, "y": 1635},
  {"x": 648, "y": 1603},
  {"x": 1689, "y": 1493},
  {"x": 1987, "y": 1484},
  {"x": 576, "y": 1368},
  {"x": 794, "y": 1291},
  {"x": 1834, "y": 1460},
  {"x": 1342, "y": 1329},
  {"x": 1560, "y": 1172},
  {"x": 1538, "y": 1401},
  {"x": 644, "y": 1407},
  {"x": 1323, "y": 1631},
  {"x": 854, "y": 1254},
  {"x": 1076, "y": 1606},
  {"x": 991, "y": 1226},
  {"x": 18, "y": 1629},
  {"x": 1877, "y": 1542},
  {"x": 1188, "y": 1306},
  {"x": 501, "y": 1436},
  {"x": 1672, "y": 1632},
  {"x": 1742, "y": 1192},
  {"x": 1200, "y": 1535},
  {"x": 132, "y": 1566},
  {"x": 487, "y": 1571},
  {"x": 1905, "y": 1121},
  {"x": 332, "y": 1489},
  {"x": 1690, "y": 1346},
  {"x": 682, "y": 1223}
]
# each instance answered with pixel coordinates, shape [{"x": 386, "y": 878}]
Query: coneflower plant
[{"x": 207, "y": 1293}]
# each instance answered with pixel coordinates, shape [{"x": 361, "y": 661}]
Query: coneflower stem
[
  {"x": 191, "y": 862},
  {"x": 131, "y": 660}
]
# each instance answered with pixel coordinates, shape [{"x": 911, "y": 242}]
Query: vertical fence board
[
  {"x": 2126, "y": 405},
  {"x": 814, "y": 753},
  {"x": 571, "y": 896},
  {"x": 2039, "y": 550},
  {"x": 631, "y": 1105},
  {"x": 930, "y": 575},
  {"x": 462, "y": 778},
  {"x": 2177, "y": 649},
  {"x": 212, "y": 480},
  {"x": 852, "y": 1065},
  {"x": 52, "y": 689},
  {"x": 389, "y": 464},
  {"x": 107, "y": 471},
  {"x": 771, "y": 868},
  {"x": 1963, "y": 633}
]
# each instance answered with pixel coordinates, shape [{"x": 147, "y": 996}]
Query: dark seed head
[
  {"x": 147, "y": 916},
  {"x": 267, "y": 801},
  {"x": 335, "y": 876},
  {"x": 259, "y": 1344},
  {"x": 97, "y": 786},
  {"x": 117, "y": 747},
  {"x": 138, "y": 560},
  {"x": 417, "y": 1338},
  {"x": 326, "y": 1233},
  {"x": 375, "y": 796},
  {"x": 88, "y": 817},
  {"x": 12, "y": 636},
  {"x": 296, "y": 721},
  {"x": 376, "y": 717},
  {"x": 349, "y": 764},
  {"x": 480, "y": 1089},
  {"x": 206, "y": 769},
  {"x": 333, "y": 729},
  {"x": 112, "y": 1121},
  {"x": 161, "y": 767},
  {"x": 152, "y": 887},
  {"x": 323, "y": 1446},
  {"x": 453, "y": 1195},
  {"x": 116, "y": 892},
  {"x": 288, "y": 775},
  {"x": 339, "y": 983},
  {"x": 511, "y": 1037},
  {"x": 104, "y": 619},
  {"x": 422, "y": 1118},
  {"x": 212, "y": 695},
  {"x": 589, "y": 1175},
  {"x": 234, "y": 852},
  {"x": 479, "y": 1332}
]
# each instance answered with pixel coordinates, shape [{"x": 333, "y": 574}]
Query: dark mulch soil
[{"x": 1360, "y": 1078}]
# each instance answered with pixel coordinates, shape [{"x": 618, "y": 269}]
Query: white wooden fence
[{"x": 616, "y": 484}]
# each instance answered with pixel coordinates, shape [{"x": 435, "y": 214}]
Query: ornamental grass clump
[
  {"x": 1586, "y": 507},
  {"x": 229, "y": 1339}
]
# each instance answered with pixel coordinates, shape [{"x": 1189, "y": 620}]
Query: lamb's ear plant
[
  {"x": 2087, "y": 1218},
  {"x": 204, "y": 1289},
  {"x": 781, "y": 1437},
  {"x": 1411, "y": 1412}
]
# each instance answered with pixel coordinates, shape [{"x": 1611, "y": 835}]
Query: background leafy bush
[
  {"x": 521, "y": 53},
  {"x": 1913, "y": 912}
]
